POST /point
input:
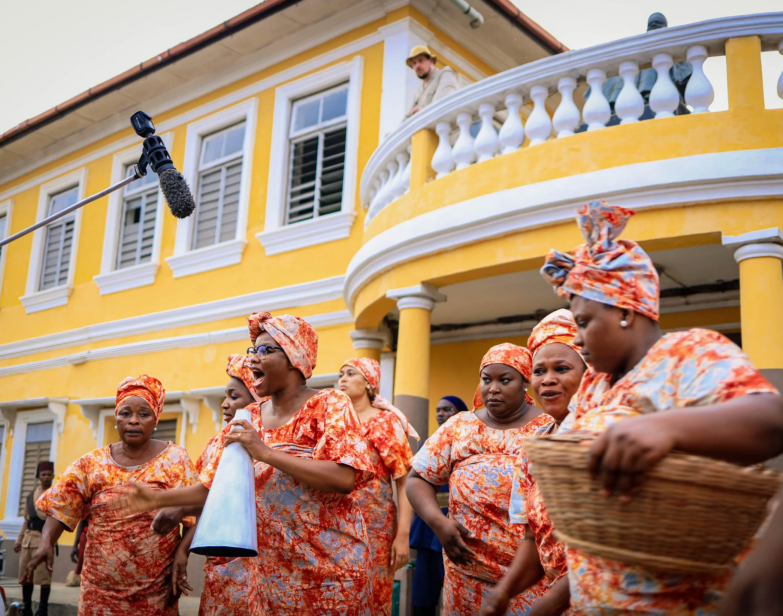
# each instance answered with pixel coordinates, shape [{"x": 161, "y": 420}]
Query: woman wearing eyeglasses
[{"x": 310, "y": 455}]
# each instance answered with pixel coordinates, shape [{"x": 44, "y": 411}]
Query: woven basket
[{"x": 692, "y": 514}]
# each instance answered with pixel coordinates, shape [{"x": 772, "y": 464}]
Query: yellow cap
[{"x": 417, "y": 51}]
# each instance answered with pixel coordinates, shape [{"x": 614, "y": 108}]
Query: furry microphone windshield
[{"x": 175, "y": 190}]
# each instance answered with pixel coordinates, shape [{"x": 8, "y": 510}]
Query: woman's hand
[
  {"x": 496, "y": 602},
  {"x": 179, "y": 574},
  {"x": 75, "y": 555},
  {"x": 247, "y": 435},
  {"x": 44, "y": 553},
  {"x": 400, "y": 551},
  {"x": 167, "y": 519},
  {"x": 452, "y": 537},
  {"x": 18, "y": 548},
  {"x": 621, "y": 457},
  {"x": 136, "y": 499}
]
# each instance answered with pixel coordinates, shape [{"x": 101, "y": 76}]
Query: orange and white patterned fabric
[
  {"x": 312, "y": 545},
  {"x": 605, "y": 269},
  {"x": 371, "y": 371},
  {"x": 295, "y": 335},
  {"x": 125, "y": 570},
  {"x": 477, "y": 463},
  {"x": 558, "y": 326},
  {"x": 684, "y": 369},
  {"x": 508, "y": 354},
  {"x": 147, "y": 387},
  {"x": 238, "y": 368}
]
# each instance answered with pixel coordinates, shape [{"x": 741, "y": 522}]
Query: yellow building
[{"x": 414, "y": 242}]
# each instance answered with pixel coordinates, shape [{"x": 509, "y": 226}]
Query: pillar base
[{"x": 417, "y": 410}]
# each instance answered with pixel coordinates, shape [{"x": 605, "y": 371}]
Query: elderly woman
[
  {"x": 230, "y": 584},
  {"x": 475, "y": 453},
  {"x": 311, "y": 455},
  {"x": 716, "y": 404},
  {"x": 126, "y": 565},
  {"x": 386, "y": 430},
  {"x": 558, "y": 368}
]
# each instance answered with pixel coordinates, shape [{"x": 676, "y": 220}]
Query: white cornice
[
  {"x": 271, "y": 299},
  {"x": 234, "y": 334},
  {"x": 747, "y": 174},
  {"x": 547, "y": 71}
]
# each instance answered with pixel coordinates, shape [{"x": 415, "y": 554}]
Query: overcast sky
[{"x": 52, "y": 50}]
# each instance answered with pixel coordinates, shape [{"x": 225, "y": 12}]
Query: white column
[
  {"x": 487, "y": 143},
  {"x": 698, "y": 93},
  {"x": 664, "y": 97},
  {"x": 464, "y": 152},
  {"x": 596, "y": 111},
  {"x": 566, "y": 118},
  {"x": 629, "y": 105},
  {"x": 539, "y": 125},
  {"x": 443, "y": 159},
  {"x": 512, "y": 133}
]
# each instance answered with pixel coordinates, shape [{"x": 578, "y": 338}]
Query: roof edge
[{"x": 543, "y": 36}]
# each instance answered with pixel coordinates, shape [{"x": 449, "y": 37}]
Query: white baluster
[
  {"x": 698, "y": 93},
  {"x": 442, "y": 159},
  {"x": 373, "y": 192},
  {"x": 566, "y": 118},
  {"x": 399, "y": 186},
  {"x": 512, "y": 133},
  {"x": 539, "y": 126},
  {"x": 375, "y": 204},
  {"x": 464, "y": 152},
  {"x": 388, "y": 196},
  {"x": 406, "y": 173},
  {"x": 487, "y": 143},
  {"x": 596, "y": 111},
  {"x": 629, "y": 104},
  {"x": 664, "y": 97},
  {"x": 780, "y": 79}
]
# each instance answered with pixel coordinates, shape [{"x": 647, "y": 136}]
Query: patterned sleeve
[
  {"x": 340, "y": 435},
  {"x": 207, "y": 454},
  {"x": 713, "y": 369},
  {"x": 210, "y": 458},
  {"x": 520, "y": 483},
  {"x": 187, "y": 476},
  {"x": 433, "y": 460},
  {"x": 66, "y": 500},
  {"x": 388, "y": 436}
]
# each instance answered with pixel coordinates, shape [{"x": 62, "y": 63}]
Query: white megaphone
[{"x": 227, "y": 526}]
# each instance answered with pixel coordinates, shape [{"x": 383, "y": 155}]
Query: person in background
[
  {"x": 436, "y": 83},
  {"x": 646, "y": 394},
  {"x": 29, "y": 539},
  {"x": 474, "y": 453},
  {"x": 558, "y": 369},
  {"x": 386, "y": 430},
  {"x": 128, "y": 568},
  {"x": 428, "y": 573}
]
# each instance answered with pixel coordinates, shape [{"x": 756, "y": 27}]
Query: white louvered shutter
[
  {"x": 59, "y": 242},
  {"x": 137, "y": 226},
  {"x": 37, "y": 447}
]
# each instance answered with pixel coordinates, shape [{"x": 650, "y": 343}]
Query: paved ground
[{"x": 63, "y": 600}]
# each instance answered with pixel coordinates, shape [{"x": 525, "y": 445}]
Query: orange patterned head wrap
[
  {"x": 146, "y": 387},
  {"x": 295, "y": 335},
  {"x": 605, "y": 269},
  {"x": 238, "y": 368},
  {"x": 370, "y": 369},
  {"x": 517, "y": 357},
  {"x": 557, "y": 326}
]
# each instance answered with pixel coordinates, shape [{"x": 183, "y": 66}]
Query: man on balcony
[{"x": 436, "y": 83}]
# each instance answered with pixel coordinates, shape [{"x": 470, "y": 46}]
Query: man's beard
[{"x": 425, "y": 75}]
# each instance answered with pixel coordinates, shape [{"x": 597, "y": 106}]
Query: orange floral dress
[
  {"x": 231, "y": 585},
  {"x": 691, "y": 368},
  {"x": 312, "y": 545},
  {"x": 391, "y": 455},
  {"x": 478, "y": 464},
  {"x": 126, "y": 565}
]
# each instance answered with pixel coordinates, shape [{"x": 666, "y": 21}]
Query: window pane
[
  {"x": 235, "y": 139},
  {"x": 306, "y": 114},
  {"x": 334, "y": 105},
  {"x": 60, "y": 201},
  {"x": 57, "y": 253},
  {"x": 213, "y": 148},
  {"x": 167, "y": 431},
  {"x": 39, "y": 432},
  {"x": 148, "y": 180}
]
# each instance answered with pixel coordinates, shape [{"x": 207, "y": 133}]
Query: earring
[
  {"x": 115, "y": 427},
  {"x": 155, "y": 429},
  {"x": 623, "y": 323}
]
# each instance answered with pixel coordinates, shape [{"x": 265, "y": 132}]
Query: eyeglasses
[{"x": 262, "y": 350}]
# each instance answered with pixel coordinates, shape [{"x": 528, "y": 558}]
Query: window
[
  {"x": 59, "y": 241},
  {"x": 37, "y": 448},
  {"x": 318, "y": 137},
  {"x": 219, "y": 179},
  {"x": 167, "y": 430},
  {"x": 137, "y": 223},
  {"x": 3, "y": 226}
]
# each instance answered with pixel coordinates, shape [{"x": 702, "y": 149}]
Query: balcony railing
[{"x": 497, "y": 100}]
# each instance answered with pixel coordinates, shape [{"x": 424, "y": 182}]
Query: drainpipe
[{"x": 476, "y": 18}]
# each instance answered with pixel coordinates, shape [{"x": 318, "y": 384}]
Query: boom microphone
[{"x": 172, "y": 183}]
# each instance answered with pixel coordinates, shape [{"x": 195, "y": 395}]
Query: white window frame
[
  {"x": 185, "y": 261},
  {"x": 33, "y": 299},
  {"x": 111, "y": 279},
  {"x": 277, "y": 237},
  {"x": 4, "y": 423},
  {"x": 23, "y": 419},
  {"x": 6, "y": 209}
]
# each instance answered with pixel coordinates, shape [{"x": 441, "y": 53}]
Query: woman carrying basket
[
  {"x": 558, "y": 368},
  {"x": 722, "y": 407}
]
